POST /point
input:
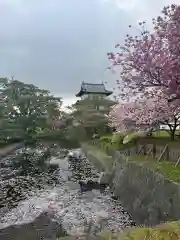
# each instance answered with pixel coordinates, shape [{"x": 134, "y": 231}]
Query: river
[{"x": 72, "y": 208}]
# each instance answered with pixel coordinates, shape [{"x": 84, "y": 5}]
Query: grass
[
  {"x": 160, "y": 141},
  {"x": 163, "y": 133},
  {"x": 165, "y": 231},
  {"x": 159, "y": 138},
  {"x": 166, "y": 168}
]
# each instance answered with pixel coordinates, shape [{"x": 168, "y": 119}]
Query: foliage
[
  {"x": 91, "y": 115},
  {"x": 134, "y": 136},
  {"x": 116, "y": 142},
  {"x": 151, "y": 60},
  {"x": 168, "y": 231},
  {"x": 105, "y": 142},
  {"x": 61, "y": 137},
  {"x": 117, "y": 138},
  {"x": 105, "y": 139},
  {"x": 166, "y": 168},
  {"x": 146, "y": 114},
  {"x": 25, "y": 108}
]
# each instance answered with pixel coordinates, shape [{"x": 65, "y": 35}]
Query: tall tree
[
  {"x": 146, "y": 114},
  {"x": 28, "y": 106},
  {"x": 91, "y": 114},
  {"x": 151, "y": 60}
]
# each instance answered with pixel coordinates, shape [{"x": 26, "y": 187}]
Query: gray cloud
[{"x": 56, "y": 44}]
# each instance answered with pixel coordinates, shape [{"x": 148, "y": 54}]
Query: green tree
[
  {"x": 26, "y": 107},
  {"x": 91, "y": 115}
]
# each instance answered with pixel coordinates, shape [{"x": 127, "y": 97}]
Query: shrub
[
  {"x": 116, "y": 141},
  {"x": 117, "y": 137},
  {"x": 131, "y": 137},
  {"x": 105, "y": 141},
  {"x": 112, "y": 142},
  {"x": 168, "y": 231},
  {"x": 105, "y": 138}
]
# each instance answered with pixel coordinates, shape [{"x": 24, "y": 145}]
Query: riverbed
[{"x": 70, "y": 207}]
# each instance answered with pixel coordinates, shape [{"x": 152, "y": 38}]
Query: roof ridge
[
  {"x": 94, "y": 88},
  {"x": 93, "y": 83}
]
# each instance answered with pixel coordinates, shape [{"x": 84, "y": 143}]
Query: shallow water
[{"x": 70, "y": 207}]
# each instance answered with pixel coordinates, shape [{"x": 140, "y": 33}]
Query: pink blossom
[
  {"x": 145, "y": 112},
  {"x": 151, "y": 60}
]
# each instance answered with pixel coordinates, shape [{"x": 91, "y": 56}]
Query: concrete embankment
[
  {"x": 101, "y": 161},
  {"x": 145, "y": 194}
]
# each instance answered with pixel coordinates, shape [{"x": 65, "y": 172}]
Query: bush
[
  {"x": 105, "y": 141},
  {"x": 165, "y": 231},
  {"x": 105, "y": 138},
  {"x": 115, "y": 142},
  {"x": 117, "y": 137}
]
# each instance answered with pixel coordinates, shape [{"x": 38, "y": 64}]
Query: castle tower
[{"x": 93, "y": 90}]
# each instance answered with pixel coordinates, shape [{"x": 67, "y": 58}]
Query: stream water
[{"x": 72, "y": 208}]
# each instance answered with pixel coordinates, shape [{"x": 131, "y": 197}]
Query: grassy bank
[
  {"x": 161, "y": 138},
  {"x": 166, "y": 231},
  {"x": 166, "y": 168}
]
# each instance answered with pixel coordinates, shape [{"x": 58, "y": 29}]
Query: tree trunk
[
  {"x": 172, "y": 134},
  {"x": 172, "y": 129}
]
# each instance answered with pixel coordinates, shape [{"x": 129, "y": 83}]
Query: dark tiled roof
[{"x": 93, "y": 88}]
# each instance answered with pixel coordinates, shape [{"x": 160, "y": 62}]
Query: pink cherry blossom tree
[
  {"x": 151, "y": 60},
  {"x": 146, "y": 113}
]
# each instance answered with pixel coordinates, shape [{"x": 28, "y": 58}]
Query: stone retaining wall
[{"x": 145, "y": 194}]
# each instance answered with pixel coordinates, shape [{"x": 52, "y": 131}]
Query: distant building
[{"x": 93, "y": 90}]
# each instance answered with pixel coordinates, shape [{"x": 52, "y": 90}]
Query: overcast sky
[{"x": 56, "y": 44}]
